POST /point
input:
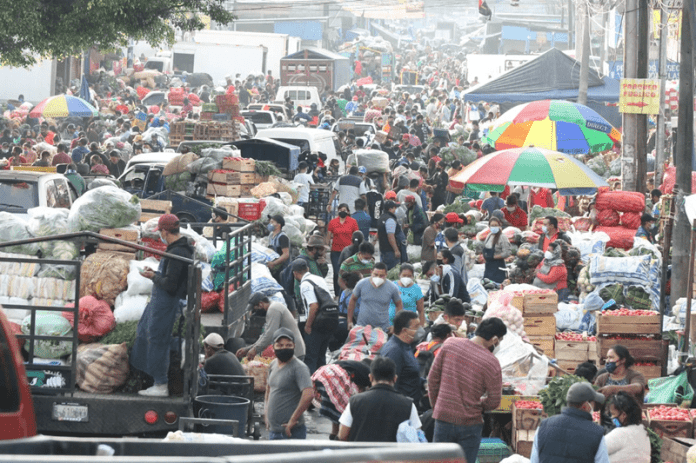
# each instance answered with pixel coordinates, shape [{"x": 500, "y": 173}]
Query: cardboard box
[{"x": 222, "y": 189}]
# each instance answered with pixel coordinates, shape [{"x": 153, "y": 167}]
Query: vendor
[
  {"x": 619, "y": 375},
  {"x": 552, "y": 272},
  {"x": 646, "y": 222},
  {"x": 496, "y": 249},
  {"x": 551, "y": 233},
  {"x": 220, "y": 216},
  {"x": 280, "y": 243},
  {"x": 515, "y": 216}
]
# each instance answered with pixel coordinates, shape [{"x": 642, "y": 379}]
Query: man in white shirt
[{"x": 305, "y": 180}]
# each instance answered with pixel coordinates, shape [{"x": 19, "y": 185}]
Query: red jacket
[
  {"x": 543, "y": 198},
  {"x": 517, "y": 218},
  {"x": 557, "y": 274}
]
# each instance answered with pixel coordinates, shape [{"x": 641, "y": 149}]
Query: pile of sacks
[{"x": 618, "y": 215}]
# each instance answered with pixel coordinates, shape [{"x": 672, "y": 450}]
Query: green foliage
[
  {"x": 45, "y": 28},
  {"x": 198, "y": 149},
  {"x": 267, "y": 168},
  {"x": 458, "y": 206},
  {"x": 655, "y": 446},
  {"x": 126, "y": 332},
  {"x": 553, "y": 398}
]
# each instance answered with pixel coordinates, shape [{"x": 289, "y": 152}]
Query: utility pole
[
  {"x": 660, "y": 134},
  {"x": 682, "y": 160},
  {"x": 642, "y": 119},
  {"x": 630, "y": 121},
  {"x": 585, "y": 57}
]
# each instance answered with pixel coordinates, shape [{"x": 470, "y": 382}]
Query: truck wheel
[
  {"x": 257, "y": 431},
  {"x": 185, "y": 217}
]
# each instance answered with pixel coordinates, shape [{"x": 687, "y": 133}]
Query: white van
[
  {"x": 301, "y": 95},
  {"x": 313, "y": 140}
]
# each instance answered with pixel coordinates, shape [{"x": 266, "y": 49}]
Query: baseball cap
[
  {"x": 391, "y": 194},
  {"x": 452, "y": 217},
  {"x": 283, "y": 333},
  {"x": 255, "y": 299},
  {"x": 390, "y": 204},
  {"x": 214, "y": 340},
  {"x": 583, "y": 392},
  {"x": 167, "y": 222},
  {"x": 410, "y": 199},
  {"x": 315, "y": 241},
  {"x": 362, "y": 170}
]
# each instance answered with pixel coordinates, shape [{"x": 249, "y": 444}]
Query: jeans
[
  {"x": 389, "y": 259},
  {"x": 336, "y": 265},
  {"x": 298, "y": 432},
  {"x": 468, "y": 437},
  {"x": 315, "y": 349}
]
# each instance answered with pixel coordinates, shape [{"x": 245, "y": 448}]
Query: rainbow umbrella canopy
[
  {"x": 529, "y": 166},
  {"x": 557, "y": 125},
  {"x": 63, "y": 106}
]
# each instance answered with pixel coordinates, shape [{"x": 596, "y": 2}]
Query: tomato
[
  {"x": 624, "y": 312},
  {"x": 670, "y": 413},
  {"x": 529, "y": 404}
]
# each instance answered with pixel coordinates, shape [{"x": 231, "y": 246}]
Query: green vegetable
[
  {"x": 457, "y": 206},
  {"x": 126, "y": 332},
  {"x": 459, "y": 153},
  {"x": 655, "y": 446},
  {"x": 553, "y": 397},
  {"x": 540, "y": 212},
  {"x": 266, "y": 169},
  {"x": 178, "y": 182}
]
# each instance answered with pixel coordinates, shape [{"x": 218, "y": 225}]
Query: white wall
[{"x": 34, "y": 82}]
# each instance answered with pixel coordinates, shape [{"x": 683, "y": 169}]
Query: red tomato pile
[
  {"x": 529, "y": 404},
  {"x": 645, "y": 364},
  {"x": 670, "y": 413},
  {"x": 632, "y": 337},
  {"x": 568, "y": 336},
  {"x": 629, "y": 313}
]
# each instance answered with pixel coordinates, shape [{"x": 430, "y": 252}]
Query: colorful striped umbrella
[
  {"x": 557, "y": 125},
  {"x": 530, "y": 166},
  {"x": 63, "y": 106}
]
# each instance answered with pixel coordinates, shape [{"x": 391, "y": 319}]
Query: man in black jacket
[
  {"x": 375, "y": 415},
  {"x": 150, "y": 352}
]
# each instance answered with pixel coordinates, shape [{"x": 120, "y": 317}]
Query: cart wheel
[{"x": 257, "y": 431}]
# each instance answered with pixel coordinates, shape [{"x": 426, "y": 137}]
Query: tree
[{"x": 61, "y": 28}]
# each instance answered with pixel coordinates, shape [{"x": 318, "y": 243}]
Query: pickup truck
[
  {"x": 23, "y": 190},
  {"x": 63, "y": 409}
]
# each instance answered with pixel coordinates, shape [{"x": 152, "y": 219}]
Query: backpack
[
  {"x": 425, "y": 359},
  {"x": 326, "y": 320}
]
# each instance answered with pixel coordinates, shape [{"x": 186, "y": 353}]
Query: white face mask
[
  {"x": 377, "y": 281},
  {"x": 163, "y": 239},
  {"x": 496, "y": 349},
  {"x": 406, "y": 281},
  {"x": 548, "y": 255},
  {"x": 511, "y": 208}
]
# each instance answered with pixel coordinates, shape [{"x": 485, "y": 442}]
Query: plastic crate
[
  {"x": 210, "y": 107},
  {"x": 250, "y": 211},
  {"x": 206, "y": 116},
  {"x": 221, "y": 117},
  {"x": 493, "y": 450}
]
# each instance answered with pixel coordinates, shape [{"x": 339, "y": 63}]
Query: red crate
[
  {"x": 206, "y": 116},
  {"x": 250, "y": 211}
]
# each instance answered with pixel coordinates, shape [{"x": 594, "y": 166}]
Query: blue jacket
[{"x": 570, "y": 437}]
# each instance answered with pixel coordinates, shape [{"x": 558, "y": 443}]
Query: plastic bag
[
  {"x": 296, "y": 210},
  {"x": 203, "y": 249},
  {"x": 13, "y": 228},
  {"x": 521, "y": 365},
  {"x": 178, "y": 164},
  {"x": 65, "y": 250},
  {"x": 105, "y": 207},
  {"x": 294, "y": 234},
  {"x": 408, "y": 434},
  {"x": 262, "y": 254},
  {"x": 203, "y": 166},
  {"x": 672, "y": 389},
  {"x": 102, "y": 368},
  {"x": 95, "y": 319},
  {"x": 515, "y": 459},
  {"x": 47, "y": 221},
  {"x": 61, "y": 272},
  {"x": 608, "y": 218},
  {"x": 49, "y": 324},
  {"x": 130, "y": 308},
  {"x": 138, "y": 284},
  {"x": 568, "y": 317},
  {"x": 476, "y": 291},
  {"x": 373, "y": 160},
  {"x": 274, "y": 206}
]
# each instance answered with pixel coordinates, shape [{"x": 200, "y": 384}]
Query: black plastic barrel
[{"x": 222, "y": 407}]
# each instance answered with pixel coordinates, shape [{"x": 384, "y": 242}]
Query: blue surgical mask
[
  {"x": 611, "y": 367},
  {"x": 435, "y": 278},
  {"x": 616, "y": 422},
  {"x": 163, "y": 239},
  {"x": 544, "y": 229},
  {"x": 270, "y": 227},
  {"x": 495, "y": 230}
]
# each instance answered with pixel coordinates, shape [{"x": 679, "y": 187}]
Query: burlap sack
[
  {"x": 102, "y": 368},
  {"x": 179, "y": 163},
  {"x": 104, "y": 275}
]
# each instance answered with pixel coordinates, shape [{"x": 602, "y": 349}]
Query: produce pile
[
  {"x": 629, "y": 313},
  {"x": 529, "y": 405},
  {"x": 666, "y": 413},
  {"x": 619, "y": 216},
  {"x": 575, "y": 337}
]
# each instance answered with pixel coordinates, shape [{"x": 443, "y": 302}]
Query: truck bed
[{"x": 42, "y": 449}]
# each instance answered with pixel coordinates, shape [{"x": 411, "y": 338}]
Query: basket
[
  {"x": 493, "y": 450},
  {"x": 250, "y": 211},
  {"x": 209, "y": 108},
  {"x": 207, "y": 116}
]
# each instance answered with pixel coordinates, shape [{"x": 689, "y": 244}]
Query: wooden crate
[
  {"x": 124, "y": 234},
  {"x": 523, "y": 442},
  {"x": 145, "y": 216},
  {"x": 665, "y": 428},
  {"x": 545, "y": 343},
  {"x": 674, "y": 448},
  {"x": 640, "y": 349},
  {"x": 574, "y": 351},
  {"x": 570, "y": 367},
  {"x": 649, "y": 371},
  {"x": 155, "y": 205},
  {"x": 540, "y": 303},
  {"x": 540, "y": 325},
  {"x": 221, "y": 189},
  {"x": 517, "y": 299},
  {"x": 526, "y": 419},
  {"x": 239, "y": 164},
  {"x": 231, "y": 208},
  {"x": 232, "y": 178},
  {"x": 245, "y": 191},
  {"x": 607, "y": 324},
  {"x": 259, "y": 179},
  {"x": 593, "y": 352},
  {"x": 506, "y": 402},
  {"x": 115, "y": 247}
]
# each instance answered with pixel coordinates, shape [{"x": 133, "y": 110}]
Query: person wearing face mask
[
  {"x": 363, "y": 262},
  {"x": 339, "y": 235},
  {"x": 515, "y": 216},
  {"x": 375, "y": 294},
  {"x": 428, "y": 251},
  {"x": 411, "y": 295},
  {"x": 556, "y": 439},
  {"x": 540, "y": 197},
  {"x": 552, "y": 272},
  {"x": 398, "y": 348},
  {"x": 620, "y": 376},
  {"x": 391, "y": 238},
  {"x": 416, "y": 220},
  {"x": 450, "y": 282},
  {"x": 496, "y": 248},
  {"x": 465, "y": 381},
  {"x": 629, "y": 441},
  {"x": 289, "y": 390},
  {"x": 150, "y": 353},
  {"x": 280, "y": 243},
  {"x": 551, "y": 233}
]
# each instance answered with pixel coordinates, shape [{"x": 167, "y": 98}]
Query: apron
[
  {"x": 493, "y": 266},
  {"x": 150, "y": 352}
]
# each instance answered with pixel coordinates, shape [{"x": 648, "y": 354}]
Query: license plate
[{"x": 70, "y": 412}]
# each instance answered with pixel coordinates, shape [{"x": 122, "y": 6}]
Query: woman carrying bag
[{"x": 496, "y": 249}]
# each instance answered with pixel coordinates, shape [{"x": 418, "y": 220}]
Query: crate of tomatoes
[
  {"x": 576, "y": 347},
  {"x": 527, "y": 414},
  {"x": 627, "y": 321},
  {"x": 641, "y": 347},
  {"x": 671, "y": 421}
]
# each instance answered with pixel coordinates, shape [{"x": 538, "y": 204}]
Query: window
[
  {"x": 17, "y": 194},
  {"x": 135, "y": 178},
  {"x": 51, "y": 194},
  {"x": 153, "y": 180},
  {"x": 62, "y": 194},
  {"x": 9, "y": 389}
]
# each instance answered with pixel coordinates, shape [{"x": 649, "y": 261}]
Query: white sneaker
[{"x": 158, "y": 390}]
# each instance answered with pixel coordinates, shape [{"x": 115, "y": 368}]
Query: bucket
[{"x": 221, "y": 407}]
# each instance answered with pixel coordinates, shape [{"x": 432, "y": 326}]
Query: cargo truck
[{"x": 219, "y": 59}]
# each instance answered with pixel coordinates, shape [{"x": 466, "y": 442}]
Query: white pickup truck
[{"x": 24, "y": 190}]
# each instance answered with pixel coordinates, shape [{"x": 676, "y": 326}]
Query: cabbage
[{"x": 104, "y": 207}]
